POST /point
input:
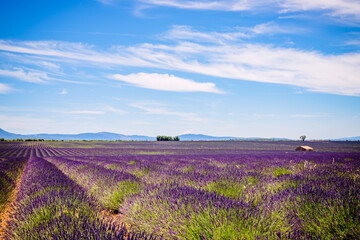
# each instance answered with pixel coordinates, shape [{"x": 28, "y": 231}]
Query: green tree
[
  {"x": 302, "y": 138},
  {"x": 167, "y": 138}
]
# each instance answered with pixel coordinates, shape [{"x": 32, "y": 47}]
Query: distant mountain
[
  {"x": 201, "y": 137},
  {"x": 7, "y": 135},
  {"x": 348, "y": 139},
  {"x": 116, "y": 136},
  {"x": 81, "y": 136}
]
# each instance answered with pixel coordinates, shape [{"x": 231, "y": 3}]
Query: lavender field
[{"x": 179, "y": 190}]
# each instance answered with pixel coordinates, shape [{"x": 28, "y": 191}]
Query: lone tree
[{"x": 302, "y": 138}]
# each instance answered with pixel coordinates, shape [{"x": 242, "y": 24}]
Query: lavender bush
[
  {"x": 51, "y": 206},
  {"x": 109, "y": 187}
]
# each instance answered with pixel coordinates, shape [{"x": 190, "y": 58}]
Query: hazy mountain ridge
[
  {"x": 117, "y": 136},
  {"x": 80, "y": 136},
  {"x": 348, "y": 139}
]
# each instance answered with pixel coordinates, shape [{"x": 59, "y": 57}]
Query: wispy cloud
[
  {"x": 181, "y": 32},
  {"x": 315, "y": 71},
  {"x": 4, "y": 88},
  {"x": 309, "y": 115},
  {"x": 272, "y": 28},
  {"x": 115, "y": 110},
  {"x": 348, "y": 8},
  {"x": 337, "y": 74},
  {"x": 107, "y": 2},
  {"x": 64, "y": 92},
  {"x": 187, "y": 33},
  {"x": 50, "y": 65},
  {"x": 29, "y": 76},
  {"x": 160, "y": 110},
  {"x": 353, "y": 43},
  {"x": 165, "y": 82},
  {"x": 335, "y": 7},
  {"x": 219, "y": 5},
  {"x": 85, "y": 112},
  {"x": 100, "y": 111},
  {"x": 65, "y": 51}
]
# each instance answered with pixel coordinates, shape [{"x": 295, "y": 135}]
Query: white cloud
[
  {"x": 4, "y": 88},
  {"x": 65, "y": 51},
  {"x": 337, "y": 7},
  {"x": 222, "y": 5},
  {"x": 353, "y": 43},
  {"x": 337, "y": 74},
  {"x": 30, "y": 76},
  {"x": 86, "y": 112},
  {"x": 165, "y": 82},
  {"x": 115, "y": 110},
  {"x": 315, "y": 71},
  {"x": 64, "y": 92},
  {"x": 107, "y": 2},
  {"x": 349, "y": 8},
  {"x": 158, "y": 110},
  {"x": 50, "y": 65},
  {"x": 309, "y": 115},
  {"x": 272, "y": 28},
  {"x": 183, "y": 32}
]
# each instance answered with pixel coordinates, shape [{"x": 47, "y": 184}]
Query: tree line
[
  {"x": 21, "y": 140},
  {"x": 167, "y": 138}
]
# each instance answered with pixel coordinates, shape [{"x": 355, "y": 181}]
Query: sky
[{"x": 241, "y": 68}]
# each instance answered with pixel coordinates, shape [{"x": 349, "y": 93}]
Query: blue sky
[{"x": 246, "y": 68}]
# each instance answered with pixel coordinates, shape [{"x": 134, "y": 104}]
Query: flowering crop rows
[
  {"x": 187, "y": 190},
  {"x": 49, "y": 205},
  {"x": 110, "y": 187},
  {"x": 10, "y": 171}
]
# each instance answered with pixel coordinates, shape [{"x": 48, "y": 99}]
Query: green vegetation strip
[{"x": 10, "y": 170}]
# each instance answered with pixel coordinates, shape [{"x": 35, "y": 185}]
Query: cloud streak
[
  {"x": 340, "y": 8},
  {"x": 65, "y": 51},
  {"x": 165, "y": 82},
  {"x": 156, "y": 110},
  {"x": 85, "y": 112},
  {"x": 315, "y": 71},
  {"x": 4, "y": 88},
  {"x": 187, "y": 33},
  {"x": 336, "y": 7},
  {"x": 30, "y": 76},
  {"x": 64, "y": 92},
  {"x": 348, "y": 8},
  {"x": 222, "y": 5}
]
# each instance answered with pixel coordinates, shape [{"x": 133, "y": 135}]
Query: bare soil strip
[
  {"x": 116, "y": 219},
  {"x": 9, "y": 209}
]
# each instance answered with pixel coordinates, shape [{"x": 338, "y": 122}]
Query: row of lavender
[
  {"x": 231, "y": 147},
  {"x": 10, "y": 170},
  {"x": 222, "y": 195},
  {"x": 49, "y": 205},
  {"x": 20, "y": 149},
  {"x": 110, "y": 188}
]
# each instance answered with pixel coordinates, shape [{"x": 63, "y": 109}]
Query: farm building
[{"x": 304, "y": 148}]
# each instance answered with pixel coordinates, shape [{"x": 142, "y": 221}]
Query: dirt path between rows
[
  {"x": 116, "y": 219},
  {"x": 105, "y": 215},
  {"x": 9, "y": 209}
]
